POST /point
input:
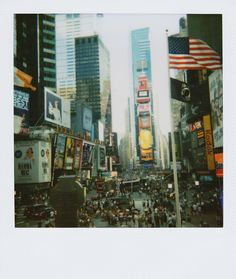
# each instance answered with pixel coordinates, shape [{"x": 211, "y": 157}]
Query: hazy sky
[{"x": 116, "y": 34}]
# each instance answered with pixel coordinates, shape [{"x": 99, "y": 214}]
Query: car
[
  {"x": 122, "y": 201},
  {"x": 39, "y": 211}
]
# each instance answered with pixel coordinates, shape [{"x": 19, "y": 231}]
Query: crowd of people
[{"x": 158, "y": 210}]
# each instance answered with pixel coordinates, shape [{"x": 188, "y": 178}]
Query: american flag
[{"x": 192, "y": 54}]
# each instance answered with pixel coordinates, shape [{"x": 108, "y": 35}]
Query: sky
[{"x": 115, "y": 30}]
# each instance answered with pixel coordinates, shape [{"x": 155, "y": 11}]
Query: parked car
[{"x": 39, "y": 211}]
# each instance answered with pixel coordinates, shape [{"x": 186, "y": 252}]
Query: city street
[{"x": 138, "y": 209}]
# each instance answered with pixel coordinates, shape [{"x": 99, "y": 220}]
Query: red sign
[{"x": 219, "y": 164}]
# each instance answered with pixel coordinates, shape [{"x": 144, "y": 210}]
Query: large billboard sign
[
  {"x": 209, "y": 142},
  {"x": 56, "y": 109},
  {"x": 69, "y": 153},
  {"x": 87, "y": 157},
  {"x": 78, "y": 153},
  {"x": 143, "y": 94},
  {"x": 32, "y": 162},
  {"x": 216, "y": 100},
  {"x": 101, "y": 157},
  {"x": 219, "y": 164},
  {"x": 60, "y": 152},
  {"x": 87, "y": 119},
  {"x": 143, "y": 108},
  {"x": 21, "y": 112},
  {"x": 144, "y": 121},
  {"x": 146, "y": 155},
  {"x": 145, "y": 139},
  {"x": 100, "y": 130}
]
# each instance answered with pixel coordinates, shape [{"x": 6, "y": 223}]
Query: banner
[
  {"x": 209, "y": 142},
  {"x": 144, "y": 121},
  {"x": 101, "y": 157},
  {"x": 143, "y": 108},
  {"x": 32, "y": 162},
  {"x": 21, "y": 112},
  {"x": 69, "y": 153},
  {"x": 22, "y": 79},
  {"x": 216, "y": 100},
  {"x": 146, "y": 155},
  {"x": 78, "y": 154},
  {"x": 60, "y": 152},
  {"x": 87, "y": 157},
  {"x": 219, "y": 164},
  {"x": 87, "y": 119},
  {"x": 56, "y": 109},
  {"x": 145, "y": 138}
]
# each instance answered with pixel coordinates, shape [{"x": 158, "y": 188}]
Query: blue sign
[{"x": 87, "y": 119}]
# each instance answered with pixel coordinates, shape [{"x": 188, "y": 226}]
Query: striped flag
[{"x": 192, "y": 54}]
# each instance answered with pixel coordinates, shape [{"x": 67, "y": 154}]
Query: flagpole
[{"x": 178, "y": 216}]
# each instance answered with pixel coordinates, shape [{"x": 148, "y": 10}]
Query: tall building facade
[
  {"x": 92, "y": 65},
  {"x": 69, "y": 27},
  {"x": 35, "y": 55},
  {"x": 143, "y": 100}
]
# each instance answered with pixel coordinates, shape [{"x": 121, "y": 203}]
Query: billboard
[
  {"x": 209, "y": 142},
  {"x": 100, "y": 130},
  {"x": 143, "y": 108},
  {"x": 69, "y": 153},
  {"x": 144, "y": 121},
  {"x": 143, "y": 94},
  {"x": 87, "y": 119},
  {"x": 146, "y": 155},
  {"x": 60, "y": 152},
  {"x": 21, "y": 112},
  {"x": 87, "y": 157},
  {"x": 145, "y": 138},
  {"x": 101, "y": 157},
  {"x": 32, "y": 162},
  {"x": 56, "y": 109},
  {"x": 219, "y": 164},
  {"x": 78, "y": 143},
  {"x": 216, "y": 100}
]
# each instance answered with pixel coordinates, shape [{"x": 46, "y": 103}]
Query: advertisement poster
[
  {"x": 144, "y": 121},
  {"x": 45, "y": 162},
  {"x": 78, "y": 153},
  {"x": 87, "y": 155},
  {"x": 216, "y": 100},
  {"x": 32, "y": 162},
  {"x": 60, "y": 152},
  {"x": 69, "y": 153},
  {"x": 209, "y": 142},
  {"x": 143, "y": 108},
  {"x": 146, "y": 155},
  {"x": 219, "y": 164},
  {"x": 102, "y": 157},
  {"x": 87, "y": 119},
  {"x": 57, "y": 109},
  {"x": 21, "y": 112},
  {"x": 145, "y": 139}
]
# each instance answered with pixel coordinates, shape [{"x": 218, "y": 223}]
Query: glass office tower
[
  {"x": 69, "y": 27},
  {"x": 93, "y": 79}
]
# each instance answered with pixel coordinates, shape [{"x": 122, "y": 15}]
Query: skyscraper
[
  {"x": 142, "y": 90},
  {"x": 69, "y": 27},
  {"x": 35, "y": 55},
  {"x": 93, "y": 79}
]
